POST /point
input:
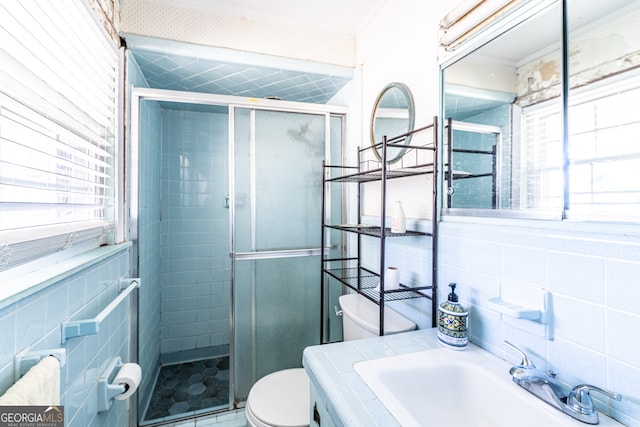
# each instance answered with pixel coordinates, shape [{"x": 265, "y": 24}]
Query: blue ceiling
[{"x": 172, "y": 70}]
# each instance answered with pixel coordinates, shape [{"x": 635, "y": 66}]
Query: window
[
  {"x": 603, "y": 151},
  {"x": 58, "y": 109},
  {"x": 542, "y": 170}
]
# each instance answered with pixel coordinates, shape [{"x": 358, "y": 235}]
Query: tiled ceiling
[
  {"x": 166, "y": 70},
  {"x": 173, "y": 69},
  {"x": 459, "y": 107},
  {"x": 462, "y": 102}
]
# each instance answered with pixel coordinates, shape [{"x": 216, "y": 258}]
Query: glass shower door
[{"x": 276, "y": 208}]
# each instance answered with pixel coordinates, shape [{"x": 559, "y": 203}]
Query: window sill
[{"x": 15, "y": 288}]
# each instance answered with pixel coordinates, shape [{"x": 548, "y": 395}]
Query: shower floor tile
[{"x": 190, "y": 386}]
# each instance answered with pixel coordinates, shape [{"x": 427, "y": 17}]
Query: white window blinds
[
  {"x": 541, "y": 154},
  {"x": 58, "y": 90},
  {"x": 603, "y": 152}
]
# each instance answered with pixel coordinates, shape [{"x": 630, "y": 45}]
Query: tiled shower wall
[
  {"x": 194, "y": 235},
  {"x": 34, "y": 322},
  {"x": 594, "y": 281},
  {"x": 149, "y": 236},
  {"x": 183, "y": 228}
]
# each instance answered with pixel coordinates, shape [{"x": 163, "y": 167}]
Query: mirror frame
[
  {"x": 410, "y": 126},
  {"x": 478, "y": 41}
]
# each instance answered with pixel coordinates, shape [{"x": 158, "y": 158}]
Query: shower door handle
[{"x": 287, "y": 253}]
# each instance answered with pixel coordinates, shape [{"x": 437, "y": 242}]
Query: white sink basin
[{"x": 444, "y": 387}]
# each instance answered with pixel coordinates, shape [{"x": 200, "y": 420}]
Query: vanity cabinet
[
  {"x": 414, "y": 154},
  {"x": 319, "y": 415}
]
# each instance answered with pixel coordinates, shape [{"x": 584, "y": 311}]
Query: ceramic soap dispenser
[{"x": 453, "y": 322}]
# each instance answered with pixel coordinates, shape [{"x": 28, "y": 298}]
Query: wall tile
[
  {"x": 623, "y": 285},
  {"x": 592, "y": 277},
  {"x": 579, "y": 322},
  {"x": 624, "y": 379},
  {"x": 35, "y": 322},
  {"x": 525, "y": 264},
  {"x": 576, "y": 276},
  {"x": 576, "y": 364},
  {"x": 623, "y": 330},
  {"x": 30, "y": 322},
  {"x": 193, "y": 257},
  {"x": 485, "y": 326},
  {"x": 149, "y": 264},
  {"x": 57, "y": 306},
  {"x": 75, "y": 293}
]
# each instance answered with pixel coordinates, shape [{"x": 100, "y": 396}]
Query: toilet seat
[{"x": 280, "y": 399}]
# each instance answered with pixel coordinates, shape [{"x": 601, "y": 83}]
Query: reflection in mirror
[
  {"x": 474, "y": 171},
  {"x": 604, "y": 113},
  {"x": 508, "y": 148},
  {"x": 393, "y": 114},
  {"x": 491, "y": 159}
]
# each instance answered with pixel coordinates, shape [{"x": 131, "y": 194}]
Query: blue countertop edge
[{"x": 347, "y": 398}]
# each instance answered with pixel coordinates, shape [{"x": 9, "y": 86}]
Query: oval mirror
[{"x": 393, "y": 115}]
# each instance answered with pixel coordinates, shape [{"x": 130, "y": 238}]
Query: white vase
[{"x": 398, "y": 221}]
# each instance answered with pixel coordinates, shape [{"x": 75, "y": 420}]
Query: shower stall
[{"x": 225, "y": 209}]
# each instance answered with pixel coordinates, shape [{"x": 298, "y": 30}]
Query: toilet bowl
[{"x": 281, "y": 399}]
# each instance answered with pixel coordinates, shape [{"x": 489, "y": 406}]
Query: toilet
[{"x": 281, "y": 399}]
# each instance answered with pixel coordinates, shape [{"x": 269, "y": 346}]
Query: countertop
[
  {"x": 348, "y": 399},
  {"x": 346, "y": 396}
]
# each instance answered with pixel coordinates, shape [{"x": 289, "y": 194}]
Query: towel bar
[
  {"x": 26, "y": 359},
  {"x": 80, "y": 328}
]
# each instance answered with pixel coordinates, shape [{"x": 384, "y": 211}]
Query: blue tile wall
[
  {"x": 149, "y": 235},
  {"x": 592, "y": 272},
  {"x": 194, "y": 235},
  {"x": 34, "y": 322},
  {"x": 594, "y": 279}
]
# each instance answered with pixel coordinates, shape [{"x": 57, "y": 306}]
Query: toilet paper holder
[{"x": 106, "y": 390}]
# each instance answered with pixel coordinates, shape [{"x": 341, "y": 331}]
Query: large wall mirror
[
  {"x": 393, "y": 115},
  {"x": 507, "y": 147}
]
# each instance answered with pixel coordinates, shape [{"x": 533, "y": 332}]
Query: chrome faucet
[
  {"x": 577, "y": 403},
  {"x": 580, "y": 406},
  {"x": 540, "y": 383}
]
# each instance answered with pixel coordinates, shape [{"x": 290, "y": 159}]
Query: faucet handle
[
  {"x": 579, "y": 402},
  {"x": 526, "y": 362},
  {"x": 580, "y": 399}
]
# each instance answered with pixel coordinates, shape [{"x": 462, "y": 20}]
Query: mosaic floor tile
[{"x": 188, "y": 387}]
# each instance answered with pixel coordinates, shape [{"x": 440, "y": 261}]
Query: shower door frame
[
  {"x": 328, "y": 111},
  {"x": 131, "y": 204}
]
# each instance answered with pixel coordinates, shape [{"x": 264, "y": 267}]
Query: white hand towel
[{"x": 40, "y": 386}]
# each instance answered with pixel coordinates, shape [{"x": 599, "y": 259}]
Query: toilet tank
[{"x": 360, "y": 318}]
